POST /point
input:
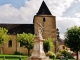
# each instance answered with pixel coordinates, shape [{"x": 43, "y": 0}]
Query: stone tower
[{"x": 47, "y": 20}]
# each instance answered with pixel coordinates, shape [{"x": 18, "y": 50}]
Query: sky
[{"x": 67, "y": 12}]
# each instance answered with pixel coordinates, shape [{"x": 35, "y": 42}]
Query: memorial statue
[
  {"x": 40, "y": 30},
  {"x": 38, "y": 51}
]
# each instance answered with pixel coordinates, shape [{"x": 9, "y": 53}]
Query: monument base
[{"x": 38, "y": 58}]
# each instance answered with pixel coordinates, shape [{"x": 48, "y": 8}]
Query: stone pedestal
[
  {"x": 38, "y": 52},
  {"x": 37, "y": 58}
]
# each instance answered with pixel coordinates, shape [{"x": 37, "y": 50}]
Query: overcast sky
[{"x": 67, "y": 12}]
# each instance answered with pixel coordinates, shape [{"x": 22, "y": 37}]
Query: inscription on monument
[{"x": 36, "y": 46}]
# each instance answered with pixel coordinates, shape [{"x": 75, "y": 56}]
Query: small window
[
  {"x": 21, "y": 44},
  {"x": 43, "y": 19},
  {"x": 10, "y": 43},
  {"x": 63, "y": 47}
]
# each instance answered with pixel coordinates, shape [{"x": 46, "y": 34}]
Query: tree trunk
[
  {"x": 28, "y": 52},
  {"x": 77, "y": 55},
  {"x": 2, "y": 48}
]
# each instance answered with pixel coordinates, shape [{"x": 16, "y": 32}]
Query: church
[{"x": 44, "y": 17}]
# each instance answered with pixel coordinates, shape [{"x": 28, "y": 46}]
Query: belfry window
[
  {"x": 10, "y": 43},
  {"x": 43, "y": 19},
  {"x": 63, "y": 47}
]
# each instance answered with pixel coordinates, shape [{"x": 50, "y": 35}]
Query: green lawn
[
  {"x": 13, "y": 57},
  {"x": 59, "y": 59},
  {"x": 17, "y": 57}
]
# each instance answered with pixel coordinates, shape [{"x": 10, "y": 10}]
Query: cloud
[
  {"x": 66, "y": 22},
  {"x": 61, "y": 36},
  {"x": 25, "y": 14},
  {"x": 77, "y": 15},
  {"x": 57, "y": 7},
  {"x": 8, "y": 13},
  {"x": 77, "y": 1}
]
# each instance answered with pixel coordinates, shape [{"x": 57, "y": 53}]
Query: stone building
[{"x": 43, "y": 16}]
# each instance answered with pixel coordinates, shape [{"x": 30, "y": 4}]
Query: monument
[{"x": 38, "y": 52}]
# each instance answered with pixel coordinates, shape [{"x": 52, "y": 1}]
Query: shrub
[
  {"x": 64, "y": 53},
  {"x": 18, "y": 53},
  {"x": 58, "y": 54},
  {"x": 47, "y": 44},
  {"x": 51, "y": 54}
]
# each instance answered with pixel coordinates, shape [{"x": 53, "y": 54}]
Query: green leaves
[
  {"x": 3, "y": 35},
  {"x": 48, "y": 44},
  {"x": 26, "y": 40},
  {"x": 72, "y": 38}
]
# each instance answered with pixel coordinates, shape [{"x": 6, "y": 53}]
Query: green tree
[
  {"x": 3, "y": 35},
  {"x": 26, "y": 40},
  {"x": 72, "y": 39},
  {"x": 48, "y": 44}
]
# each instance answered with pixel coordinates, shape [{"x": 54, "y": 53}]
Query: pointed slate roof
[{"x": 44, "y": 10}]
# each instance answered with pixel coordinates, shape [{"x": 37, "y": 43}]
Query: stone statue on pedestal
[{"x": 38, "y": 51}]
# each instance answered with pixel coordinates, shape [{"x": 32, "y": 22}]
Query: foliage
[
  {"x": 51, "y": 54},
  {"x": 64, "y": 53},
  {"x": 3, "y": 35},
  {"x": 18, "y": 53},
  {"x": 58, "y": 54},
  {"x": 26, "y": 40},
  {"x": 48, "y": 44},
  {"x": 72, "y": 39}
]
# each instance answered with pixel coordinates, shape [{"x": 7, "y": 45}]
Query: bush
[
  {"x": 47, "y": 44},
  {"x": 64, "y": 53},
  {"x": 51, "y": 55},
  {"x": 58, "y": 54},
  {"x": 18, "y": 53}
]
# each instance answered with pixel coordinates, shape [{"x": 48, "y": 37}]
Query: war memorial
[{"x": 38, "y": 51}]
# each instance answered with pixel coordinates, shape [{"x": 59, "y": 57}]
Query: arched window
[{"x": 10, "y": 43}]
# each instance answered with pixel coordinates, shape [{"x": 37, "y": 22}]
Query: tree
[
  {"x": 48, "y": 44},
  {"x": 72, "y": 39},
  {"x": 3, "y": 35},
  {"x": 26, "y": 40}
]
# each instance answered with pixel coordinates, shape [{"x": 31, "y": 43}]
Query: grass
[
  {"x": 13, "y": 57},
  {"x": 59, "y": 59},
  {"x": 17, "y": 57}
]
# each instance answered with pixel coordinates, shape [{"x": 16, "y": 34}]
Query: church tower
[{"x": 47, "y": 20}]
